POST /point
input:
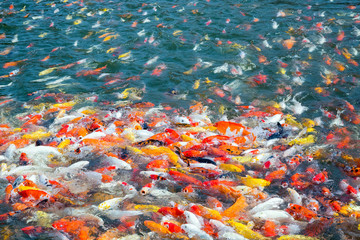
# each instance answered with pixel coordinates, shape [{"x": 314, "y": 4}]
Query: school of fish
[
  {"x": 141, "y": 171},
  {"x": 118, "y": 161}
]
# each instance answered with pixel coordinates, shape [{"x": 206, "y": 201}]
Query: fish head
[{"x": 61, "y": 224}]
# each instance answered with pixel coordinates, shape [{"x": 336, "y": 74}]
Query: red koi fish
[
  {"x": 90, "y": 72},
  {"x": 74, "y": 227},
  {"x": 182, "y": 178},
  {"x": 173, "y": 211}
]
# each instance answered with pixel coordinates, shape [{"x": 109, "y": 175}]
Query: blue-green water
[{"x": 178, "y": 36}]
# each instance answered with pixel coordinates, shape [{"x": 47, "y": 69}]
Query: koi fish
[
  {"x": 260, "y": 79},
  {"x": 174, "y": 211},
  {"x": 6, "y": 51},
  {"x": 90, "y": 72},
  {"x": 74, "y": 227},
  {"x": 289, "y": 43},
  {"x": 206, "y": 212},
  {"x": 182, "y": 178},
  {"x": 13, "y": 64},
  {"x": 236, "y": 128},
  {"x": 341, "y": 36},
  {"x": 254, "y": 182},
  {"x": 245, "y": 231},
  {"x": 158, "y": 70},
  {"x": 192, "y": 231},
  {"x": 320, "y": 178},
  {"x": 274, "y": 215},
  {"x": 173, "y": 228},
  {"x": 271, "y": 204},
  {"x": 234, "y": 210},
  {"x": 110, "y": 204},
  {"x": 301, "y": 213},
  {"x": 275, "y": 175},
  {"x": 33, "y": 196}
]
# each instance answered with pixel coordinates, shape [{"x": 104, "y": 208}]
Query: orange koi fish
[
  {"x": 300, "y": 213},
  {"x": 275, "y": 175},
  {"x": 341, "y": 36},
  {"x": 212, "y": 151},
  {"x": 234, "y": 210},
  {"x": 222, "y": 127},
  {"x": 182, "y": 178},
  {"x": 33, "y": 196},
  {"x": 215, "y": 138},
  {"x": 90, "y": 72},
  {"x": 339, "y": 66},
  {"x": 208, "y": 173},
  {"x": 45, "y": 58},
  {"x": 327, "y": 60},
  {"x": 13, "y": 64},
  {"x": 157, "y": 228},
  {"x": 142, "y": 104},
  {"x": 6, "y": 51},
  {"x": 73, "y": 226},
  {"x": 158, "y": 70},
  {"x": 158, "y": 164},
  {"x": 33, "y": 120},
  {"x": 194, "y": 153},
  {"x": 217, "y": 182},
  {"x": 263, "y": 59},
  {"x": 353, "y": 62},
  {"x": 233, "y": 150},
  {"x": 269, "y": 229},
  {"x": 173, "y": 211},
  {"x": 289, "y": 43},
  {"x": 5, "y": 216},
  {"x": 205, "y": 212},
  {"x": 224, "y": 191}
]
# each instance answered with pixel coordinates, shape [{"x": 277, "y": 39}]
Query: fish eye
[
  {"x": 144, "y": 192},
  {"x": 284, "y": 184}
]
